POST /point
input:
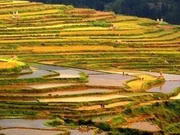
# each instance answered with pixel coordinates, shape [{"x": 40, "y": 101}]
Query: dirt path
[
  {"x": 144, "y": 126},
  {"x": 94, "y": 107}
]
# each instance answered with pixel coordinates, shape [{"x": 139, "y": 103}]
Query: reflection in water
[
  {"x": 167, "y": 87},
  {"x": 101, "y": 78},
  {"x": 95, "y": 78},
  {"x": 6, "y": 123},
  {"x": 36, "y": 74},
  {"x": 28, "y": 132},
  {"x": 108, "y": 79},
  {"x": 26, "y": 127},
  {"x": 64, "y": 72}
]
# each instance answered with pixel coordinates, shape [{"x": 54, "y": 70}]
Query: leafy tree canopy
[{"x": 169, "y": 10}]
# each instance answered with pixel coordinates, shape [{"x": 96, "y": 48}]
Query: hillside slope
[{"x": 87, "y": 38}]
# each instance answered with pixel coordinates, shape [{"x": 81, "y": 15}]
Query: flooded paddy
[
  {"x": 37, "y": 73},
  {"x": 26, "y": 123},
  {"x": 95, "y": 78},
  {"x": 40, "y": 71},
  {"x": 166, "y": 87},
  {"x": 115, "y": 80},
  {"x": 37, "y": 127},
  {"x": 26, "y": 127},
  {"x": 18, "y": 131},
  {"x": 172, "y": 81},
  {"x": 63, "y": 72}
]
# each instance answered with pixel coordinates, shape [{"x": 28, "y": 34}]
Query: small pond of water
[{"x": 35, "y": 127}]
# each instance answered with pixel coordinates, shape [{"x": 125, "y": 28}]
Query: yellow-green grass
[
  {"x": 140, "y": 83},
  {"x": 6, "y": 64}
]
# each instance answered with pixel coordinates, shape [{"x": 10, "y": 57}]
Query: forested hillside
[{"x": 169, "y": 10}]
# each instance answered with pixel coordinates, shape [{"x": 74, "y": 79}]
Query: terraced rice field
[
  {"x": 74, "y": 36},
  {"x": 77, "y": 63}
]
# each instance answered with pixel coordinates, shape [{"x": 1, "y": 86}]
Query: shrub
[
  {"x": 104, "y": 126},
  {"x": 173, "y": 128},
  {"x": 118, "y": 120},
  {"x": 127, "y": 131},
  {"x": 100, "y": 24},
  {"x": 83, "y": 77},
  {"x": 85, "y": 122},
  {"x": 55, "y": 122}
]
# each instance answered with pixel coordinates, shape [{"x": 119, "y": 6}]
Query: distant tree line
[
  {"x": 96, "y": 4},
  {"x": 169, "y": 10}
]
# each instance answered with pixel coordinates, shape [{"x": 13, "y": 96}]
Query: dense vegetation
[{"x": 167, "y": 9}]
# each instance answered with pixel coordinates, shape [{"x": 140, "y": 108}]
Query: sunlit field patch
[
  {"x": 73, "y": 48},
  {"x": 7, "y": 65},
  {"x": 138, "y": 84},
  {"x": 10, "y": 63}
]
